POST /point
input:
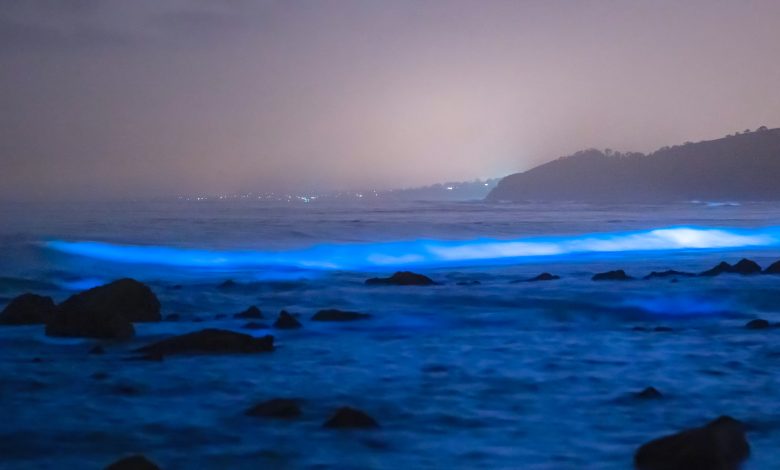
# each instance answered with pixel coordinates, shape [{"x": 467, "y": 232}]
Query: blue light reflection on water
[{"x": 431, "y": 253}]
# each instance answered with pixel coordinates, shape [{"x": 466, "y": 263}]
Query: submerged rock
[
  {"x": 544, "y": 277},
  {"x": 346, "y": 417},
  {"x": 276, "y": 408},
  {"x": 649, "y": 393},
  {"x": 333, "y": 314},
  {"x": 253, "y": 325},
  {"x": 668, "y": 273},
  {"x": 251, "y": 313},
  {"x": 134, "y": 462},
  {"x": 105, "y": 311},
  {"x": 743, "y": 266},
  {"x": 616, "y": 275},
  {"x": 286, "y": 321},
  {"x": 757, "y": 324},
  {"x": 402, "y": 278},
  {"x": 28, "y": 309},
  {"x": 211, "y": 341},
  {"x": 719, "y": 445}
]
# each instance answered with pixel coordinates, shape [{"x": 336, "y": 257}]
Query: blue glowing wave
[{"x": 429, "y": 252}]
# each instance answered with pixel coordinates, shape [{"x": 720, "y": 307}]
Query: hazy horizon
[{"x": 111, "y": 99}]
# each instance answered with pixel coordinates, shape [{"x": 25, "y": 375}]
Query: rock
[
  {"x": 252, "y": 312},
  {"x": 229, "y": 284},
  {"x": 757, "y": 324},
  {"x": 105, "y": 311},
  {"x": 773, "y": 268},
  {"x": 134, "y": 462},
  {"x": 286, "y": 321},
  {"x": 743, "y": 266},
  {"x": 97, "y": 349},
  {"x": 253, "y": 325},
  {"x": 339, "y": 315},
  {"x": 28, "y": 309},
  {"x": 719, "y": 445},
  {"x": 173, "y": 317},
  {"x": 346, "y": 417},
  {"x": 649, "y": 393},
  {"x": 662, "y": 329},
  {"x": 544, "y": 277},
  {"x": 89, "y": 324},
  {"x": 211, "y": 341},
  {"x": 617, "y": 275},
  {"x": 668, "y": 273},
  {"x": 402, "y": 278},
  {"x": 276, "y": 408}
]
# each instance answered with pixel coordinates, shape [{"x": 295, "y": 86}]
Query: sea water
[{"x": 478, "y": 371}]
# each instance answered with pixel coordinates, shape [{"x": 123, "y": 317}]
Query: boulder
[
  {"x": 28, "y": 309},
  {"x": 743, "y": 266},
  {"x": 286, "y": 321},
  {"x": 668, "y": 273},
  {"x": 544, "y": 277},
  {"x": 617, "y": 275},
  {"x": 105, "y": 311},
  {"x": 251, "y": 313},
  {"x": 276, "y": 408},
  {"x": 346, "y": 417},
  {"x": 134, "y": 462},
  {"x": 402, "y": 278},
  {"x": 333, "y": 314},
  {"x": 757, "y": 324},
  {"x": 718, "y": 445},
  {"x": 210, "y": 341}
]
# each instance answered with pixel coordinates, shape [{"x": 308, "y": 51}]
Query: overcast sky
[{"x": 113, "y": 98}]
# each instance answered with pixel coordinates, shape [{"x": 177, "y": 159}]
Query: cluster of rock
[
  {"x": 289, "y": 408},
  {"x": 743, "y": 267}
]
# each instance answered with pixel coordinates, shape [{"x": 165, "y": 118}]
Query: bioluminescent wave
[{"x": 429, "y": 252}]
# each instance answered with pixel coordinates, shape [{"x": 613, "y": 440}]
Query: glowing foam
[{"x": 429, "y": 252}]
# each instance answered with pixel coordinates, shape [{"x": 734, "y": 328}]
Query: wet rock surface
[
  {"x": 286, "y": 321},
  {"x": 210, "y": 341},
  {"x": 616, "y": 275},
  {"x": 28, "y": 309},
  {"x": 285, "y": 408},
  {"x": 347, "y": 417},
  {"x": 339, "y": 315},
  {"x": 402, "y": 278}
]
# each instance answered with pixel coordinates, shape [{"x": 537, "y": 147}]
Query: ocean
[{"x": 481, "y": 370}]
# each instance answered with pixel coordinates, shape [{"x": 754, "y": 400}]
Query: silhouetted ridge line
[{"x": 742, "y": 167}]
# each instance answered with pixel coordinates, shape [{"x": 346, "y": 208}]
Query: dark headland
[{"x": 741, "y": 167}]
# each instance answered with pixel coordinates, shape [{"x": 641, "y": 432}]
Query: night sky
[{"x": 117, "y": 99}]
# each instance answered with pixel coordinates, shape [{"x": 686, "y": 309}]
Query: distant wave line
[{"x": 428, "y": 252}]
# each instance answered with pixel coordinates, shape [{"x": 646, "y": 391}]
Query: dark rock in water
[
  {"x": 662, "y": 329},
  {"x": 719, "y": 445},
  {"x": 339, "y": 315},
  {"x": 650, "y": 393},
  {"x": 617, "y": 275},
  {"x": 28, "y": 309},
  {"x": 151, "y": 357},
  {"x": 757, "y": 324},
  {"x": 251, "y": 312},
  {"x": 468, "y": 283},
  {"x": 134, "y": 462},
  {"x": 743, "y": 266},
  {"x": 668, "y": 273},
  {"x": 105, "y": 311},
  {"x": 173, "y": 317},
  {"x": 773, "y": 268},
  {"x": 253, "y": 325},
  {"x": 89, "y": 324},
  {"x": 286, "y": 321},
  {"x": 402, "y": 278},
  {"x": 276, "y": 408},
  {"x": 97, "y": 349},
  {"x": 544, "y": 277},
  {"x": 229, "y": 284},
  {"x": 211, "y": 341},
  {"x": 346, "y": 417}
]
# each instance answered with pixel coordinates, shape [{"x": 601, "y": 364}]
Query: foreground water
[{"x": 495, "y": 374}]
